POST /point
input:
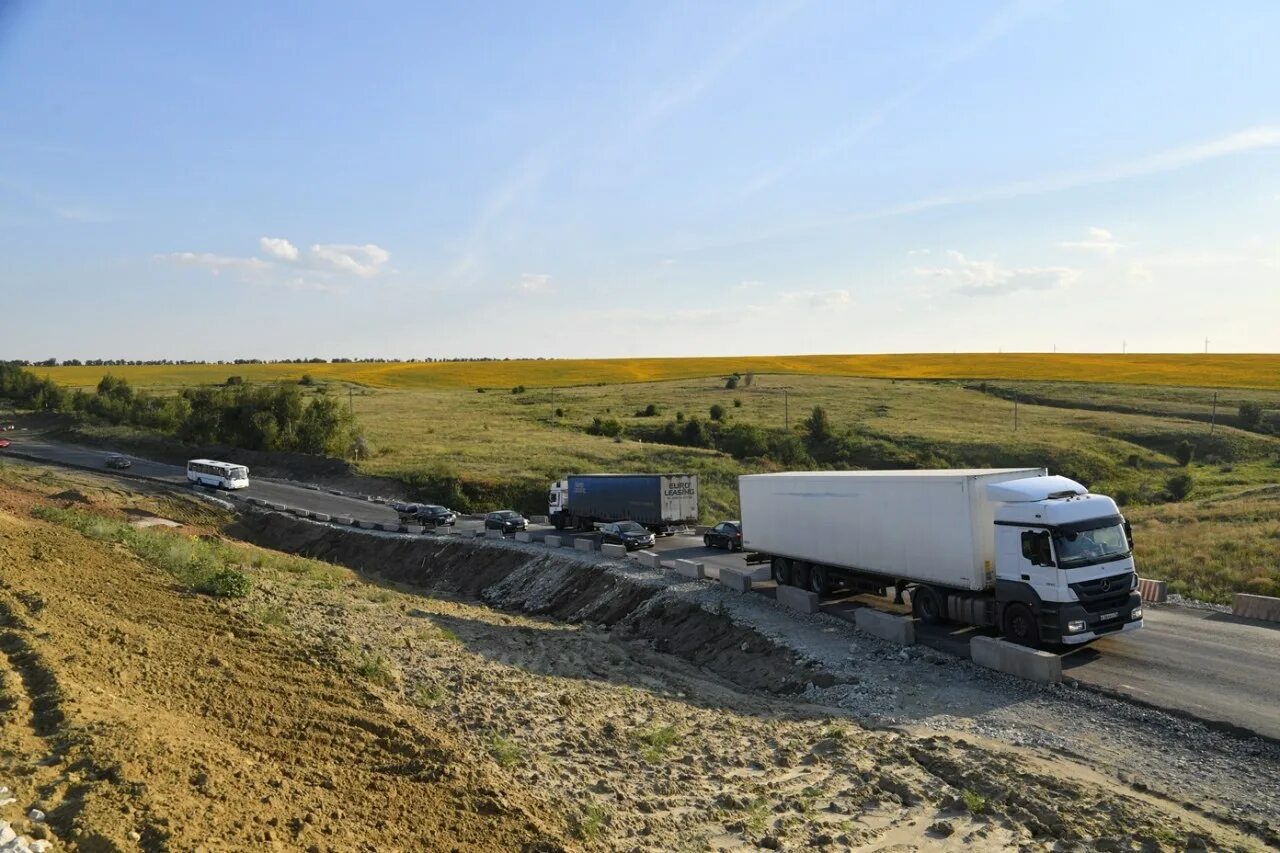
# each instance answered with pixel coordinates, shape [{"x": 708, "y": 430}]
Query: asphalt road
[{"x": 1210, "y": 665}]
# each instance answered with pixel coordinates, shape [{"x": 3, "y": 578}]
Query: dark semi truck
[{"x": 660, "y": 502}]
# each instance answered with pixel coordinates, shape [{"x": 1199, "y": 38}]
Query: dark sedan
[
  {"x": 118, "y": 461},
  {"x": 434, "y": 515},
  {"x": 726, "y": 534},
  {"x": 506, "y": 520},
  {"x": 628, "y": 534}
]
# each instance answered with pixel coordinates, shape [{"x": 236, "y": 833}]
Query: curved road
[{"x": 1209, "y": 665}]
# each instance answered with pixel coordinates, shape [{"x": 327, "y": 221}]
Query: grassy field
[
  {"x": 481, "y": 450},
  {"x": 1216, "y": 371}
]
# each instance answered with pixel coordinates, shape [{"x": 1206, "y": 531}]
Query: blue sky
[{"x": 614, "y": 179}]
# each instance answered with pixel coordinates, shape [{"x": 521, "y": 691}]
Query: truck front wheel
[
  {"x": 926, "y": 605},
  {"x": 1020, "y": 625},
  {"x": 782, "y": 571}
]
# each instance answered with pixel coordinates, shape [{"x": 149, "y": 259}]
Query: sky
[{"x": 503, "y": 179}]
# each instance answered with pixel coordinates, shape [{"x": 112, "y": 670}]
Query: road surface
[{"x": 1209, "y": 665}]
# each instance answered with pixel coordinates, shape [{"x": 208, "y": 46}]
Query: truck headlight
[
  {"x": 1136, "y": 613},
  {"x": 1075, "y": 626}
]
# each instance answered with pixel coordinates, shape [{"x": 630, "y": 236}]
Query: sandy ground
[{"x": 335, "y": 711}]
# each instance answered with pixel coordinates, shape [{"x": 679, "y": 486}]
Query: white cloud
[
  {"x": 214, "y": 263},
  {"x": 278, "y": 247},
  {"x": 819, "y": 298},
  {"x": 989, "y": 278},
  {"x": 534, "y": 282},
  {"x": 364, "y": 261},
  {"x": 1099, "y": 240}
]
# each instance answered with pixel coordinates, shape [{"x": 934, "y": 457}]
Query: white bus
[{"x": 224, "y": 475}]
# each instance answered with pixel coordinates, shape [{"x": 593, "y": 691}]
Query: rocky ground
[{"x": 436, "y": 695}]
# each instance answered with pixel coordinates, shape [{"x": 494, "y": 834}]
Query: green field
[{"x": 478, "y": 450}]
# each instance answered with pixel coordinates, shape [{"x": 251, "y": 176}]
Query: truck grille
[{"x": 1103, "y": 594}]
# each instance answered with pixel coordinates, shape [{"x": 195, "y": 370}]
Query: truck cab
[{"x": 1064, "y": 570}]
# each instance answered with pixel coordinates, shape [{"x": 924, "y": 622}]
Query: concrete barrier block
[
  {"x": 886, "y": 626},
  {"x": 797, "y": 598},
  {"x": 524, "y": 536},
  {"x": 493, "y": 534},
  {"x": 584, "y": 544},
  {"x": 367, "y": 525},
  {"x": 319, "y": 516},
  {"x": 342, "y": 519},
  {"x": 735, "y": 580},
  {"x": 414, "y": 528},
  {"x": 610, "y": 550},
  {"x": 299, "y": 511},
  {"x": 690, "y": 569},
  {"x": 1262, "y": 607},
  {"x": 551, "y": 540},
  {"x": 389, "y": 526},
  {"x": 650, "y": 559},
  {"x": 336, "y": 492},
  {"x": 1154, "y": 591},
  {"x": 539, "y": 519},
  {"x": 1002, "y": 655}
]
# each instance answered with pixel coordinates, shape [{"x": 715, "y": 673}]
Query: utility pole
[
  {"x": 1213, "y": 418},
  {"x": 351, "y": 403},
  {"x": 1015, "y": 412},
  {"x": 1124, "y": 347},
  {"x": 1206, "y": 346},
  {"x": 786, "y": 411}
]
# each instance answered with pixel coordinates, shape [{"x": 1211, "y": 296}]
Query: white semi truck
[{"x": 1035, "y": 556}]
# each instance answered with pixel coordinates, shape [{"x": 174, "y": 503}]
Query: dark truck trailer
[{"x": 660, "y": 502}]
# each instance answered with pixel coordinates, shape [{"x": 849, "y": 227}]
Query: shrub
[
  {"x": 1179, "y": 486},
  {"x": 519, "y": 389},
  {"x": 655, "y": 742},
  {"x": 679, "y": 417},
  {"x": 1250, "y": 414},
  {"x": 974, "y": 802},
  {"x": 234, "y": 380},
  {"x": 505, "y": 751},
  {"x": 732, "y": 382},
  {"x": 226, "y": 583},
  {"x": 717, "y": 412},
  {"x": 695, "y": 434},
  {"x": 737, "y": 402},
  {"x": 818, "y": 426},
  {"x": 306, "y": 380},
  {"x": 609, "y": 427},
  {"x": 743, "y": 441},
  {"x": 1134, "y": 461},
  {"x": 649, "y": 411},
  {"x": 590, "y": 823},
  {"x": 559, "y": 413},
  {"x": 1184, "y": 452}
]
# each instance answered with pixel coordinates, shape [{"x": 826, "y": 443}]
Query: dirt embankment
[{"x": 138, "y": 716}]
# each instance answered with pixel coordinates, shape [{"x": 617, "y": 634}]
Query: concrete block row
[
  {"x": 650, "y": 558},
  {"x": 320, "y": 516},
  {"x": 493, "y": 534},
  {"x": 390, "y": 527},
  {"x": 886, "y": 626},
  {"x": 1004, "y": 656},
  {"x": 414, "y": 528},
  {"x": 367, "y": 525},
  {"x": 610, "y": 550},
  {"x": 1154, "y": 591},
  {"x": 690, "y": 569},
  {"x": 551, "y": 540},
  {"x": 735, "y": 580},
  {"x": 797, "y": 598},
  {"x": 343, "y": 519},
  {"x": 1262, "y": 607},
  {"x": 523, "y": 536},
  {"x": 583, "y": 544}
]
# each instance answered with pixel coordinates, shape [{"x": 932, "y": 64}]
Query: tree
[
  {"x": 717, "y": 412},
  {"x": 818, "y": 426},
  {"x": 695, "y": 434},
  {"x": 1250, "y": 414},
  {"x": 1184, "y": 452},
  {"x": 235, "y": 380},
  {"x": 1179, "y": 486},
  {"x": 732, "y": 382}
]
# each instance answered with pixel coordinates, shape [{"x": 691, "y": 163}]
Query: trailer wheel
[
  {"x": 781, "y": 567},
  {"x": 800, "y": 573},
  {"x": 926, "y": 605},
  {"x": 1020, "y": 625},
  {"x": 820, "y": 580}
]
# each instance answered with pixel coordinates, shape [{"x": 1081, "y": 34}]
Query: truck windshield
[
  {"x": 1089, "y": 546},
  {"x": 629, "y": 527}
]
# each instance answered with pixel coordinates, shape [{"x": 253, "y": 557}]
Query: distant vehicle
[
  {"x": 8, "y": 427},
  {"x": 1034, "y": 556},
  {"x": 404, "y": 508},
  {"x": 222, "y": 475},
  {"x": 431, "y": 514},
  {"x": 118, "y": 461},
  {"x": 4, "y": 442},
  {"x": 628, "y": 534},
  {"x": 660, "y": 502},
  {"x": 726, "y": 534},
  {"x": 506, "y": 520}
]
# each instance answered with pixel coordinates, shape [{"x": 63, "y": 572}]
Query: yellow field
[{"x": 1211, "y": 371}]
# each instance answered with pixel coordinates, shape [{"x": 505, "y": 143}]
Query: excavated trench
[{"x": 637, "y": 603}]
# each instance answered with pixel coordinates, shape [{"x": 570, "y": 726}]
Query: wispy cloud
[
  {"x": 970, "y": 277},
  {"x": 324, "y": 267},
  {"x": 1099, "y": 240},
  {"x": 534, "y": 282}
]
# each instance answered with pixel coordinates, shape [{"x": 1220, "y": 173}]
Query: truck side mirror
[
  {"x": 1128, "y": 533},
  {"x": 1035, "y": 547}
]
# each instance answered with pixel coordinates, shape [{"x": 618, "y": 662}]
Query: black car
[
  {"x": 118, "y": 461},
  {"x": 726, "y": 534},
  {"x": 506, "y": 520},
  {"x": 628, "y": 534},
  {"x": 433, "y": 515}
]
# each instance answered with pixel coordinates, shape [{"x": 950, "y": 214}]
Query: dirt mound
[
  {"x": 135, "y": 715},
  {"x": 627, "y": 597},
  {"x": 71, "y": 496}
]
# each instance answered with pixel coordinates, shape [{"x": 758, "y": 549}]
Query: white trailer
[{"x": 1013, "y": 547}]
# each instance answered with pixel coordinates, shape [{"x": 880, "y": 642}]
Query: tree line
[{"x": 254, "y": 417}]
